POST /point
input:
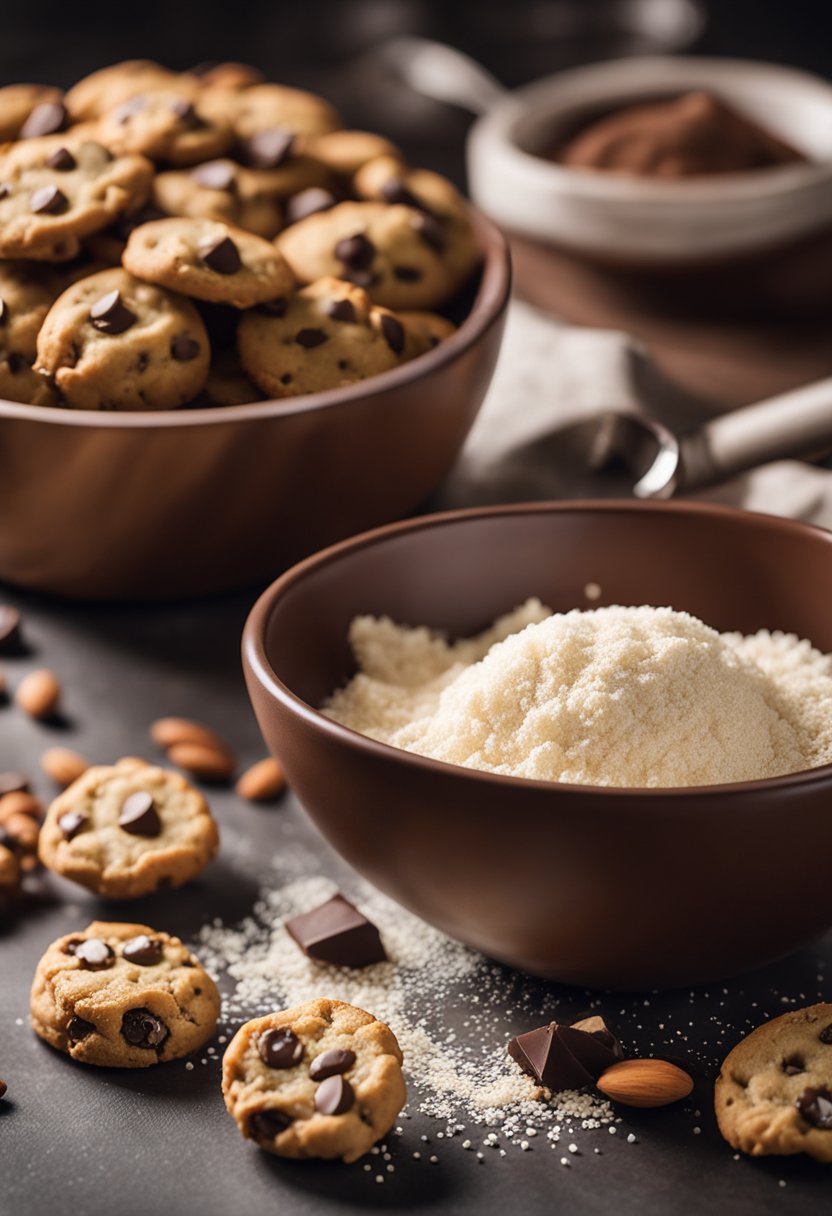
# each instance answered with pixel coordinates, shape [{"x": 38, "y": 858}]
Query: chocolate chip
[
  {"x": 72, "y": 945},
  {"x": 133, "y": 105},
  {"x": 185, "y": 112},
  {"x": 45, "y": 119},
  {"x": 356, "y": 252},
  {"x": 407, "y": 274},
  {"x": 215, "y": 174},
  {"x": 268, "y": 149},
  {"x": 49, "y": 200},
  {"x": 5, "y": 190},
  {"x": 138, "y": 815},
  {"x": 183, "y": 348},
  {"x": 342, "y": 310},
  {"x": 16, "y": 362},
  {"x": 266, "y": 1124},
  {"x": 110, "y": 314},
  {"x": 12, "y": 783},
  {"x": 395, "y": 191},
  {"x": 10, "y": 631},
  {"x": 143, "y": 950},
  {"x": 62, "y": 160},
  {"x": 334, "y": 1096},
  {"x": 336, "y": 932},
  {"x": 815, "y": 1106},
  {"x": 71, "y": 823},
  {"x": 793, "y": 1066},
  {"x": 273, "y": 308},
  {"x": 431, "y": 232},
  {"x": 95, "y": 955},
  {"x": 310, "y": 337},
  {"x": 221, "y": 256},
  {"x": 393, "y": 331},
  {"x": 280, "y": 1048},
  {"x": 825, "y": 1035},
  {"x": 331, "y": 1063},
  {"x": 141, "y": 1028},
  {"x": 308, "y": 202},
  {"x": 79, "y": 1028}
]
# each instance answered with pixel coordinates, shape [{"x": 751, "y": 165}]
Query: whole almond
[
  {"x": 169, "y": 732},
  {"x": 262, "y": 782},
  {"x": 20, "y": 802},
  {"x": 63, "y": 766},
  {"x": 39, "y": 694},
  {"x": 205, "y": 762},
  {"x": 645, "y": 1083},
  {"x": 23, "y": 829}
]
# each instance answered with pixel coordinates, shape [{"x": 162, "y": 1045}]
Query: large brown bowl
[
  {"x": 157, "y": 505},
  {"x": 606, "y": 887}
]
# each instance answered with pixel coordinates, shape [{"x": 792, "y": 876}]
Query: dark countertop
[{"x": 97, "y": 1141}]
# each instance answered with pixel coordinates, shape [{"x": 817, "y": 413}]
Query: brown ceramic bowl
[
  {"x": 157, "y": 505},
  {"x": 611, "y": 888}
]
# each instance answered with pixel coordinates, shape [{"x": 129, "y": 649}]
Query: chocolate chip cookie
[
  {"x": 774, "y": 1091},
  {"x": 404, "y": 257},
  {"x": 345, "y": 152},
  {"x": 321, "y": 1080},
  {"x": 26, "y": 295},
  {"x": 225, "y": 191},
  {"x": 112, "y": 341},
  {"x": 18, "y": 101},
  {"x": 107, "y": 88},
  {"x": 127, "y": 829},
  {"x": 424, "y": 330},
  {"x": 165, "y": 126},
  {"x": 327, "y": 335},
  {"x": 269, "y": 108},
  {"x": 123, "y": 996},
  {"x": 208, "y": 260},
  {"x": 56, "y": 190}
]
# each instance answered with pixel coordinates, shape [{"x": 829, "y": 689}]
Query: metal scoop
[{"x": 634, "y": 454}]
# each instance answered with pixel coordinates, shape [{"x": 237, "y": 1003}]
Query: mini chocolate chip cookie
[
  {"x": 327, "y": 335},
  {"x": 321, "y": 1080},
  {"x": 112, "y": 341},
  {"x": 270, "y": 108},
  {"x": 123, "y": 996},
  {"x": 26, "y": 295},
  {"x": 774, "y": 1091},
  {"x": 424, "y": 331},
  {"x": 18, "y": 101},
  {"x": 225, "y": 191},
  {"x": 208, "y": 260},
  {"x": 127, "y": 829},
  {"x": 344, "y": 152},
  {"x": 404, "y": 257},
  {"x": 56, "y": 190},
  {"x": 102, "y": 91},
  {"x": 165, "y": 126}
]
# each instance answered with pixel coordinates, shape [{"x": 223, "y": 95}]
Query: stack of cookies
[{"x": 209, "y": 239}]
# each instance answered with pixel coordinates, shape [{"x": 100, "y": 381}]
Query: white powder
[{"x": 629, "y": 697}]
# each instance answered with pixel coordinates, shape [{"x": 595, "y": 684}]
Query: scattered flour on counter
[{"x": 626, "y": 697}]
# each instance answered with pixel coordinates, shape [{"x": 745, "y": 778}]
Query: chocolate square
[{"x": 337, "y": 933}]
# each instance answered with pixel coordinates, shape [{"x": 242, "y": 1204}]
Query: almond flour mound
[{"x": 627, "y": 697}]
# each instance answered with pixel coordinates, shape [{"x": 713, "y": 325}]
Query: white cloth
[{"x": 550, "y": 374}]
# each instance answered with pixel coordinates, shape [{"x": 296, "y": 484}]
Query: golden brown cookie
[
  {"x": 165, "y": 126},
  {"x": 269, "y": 107},
  {"x": 107, "y": 88},
  {"x": 774, "y": 1090},
  {"x": 127, "y": 829},
  {"x": 123, "y": 996},
  {"x": 424, "y": 330},
  {"x": 113, "y": 342},
  {"x": 344, "y": 152},
  {"x": 223, "y": 190},
  {"x": 321, "y": 1080},
  {"x": 27, "y": 293},
  {"x": 17, "y": 101}
]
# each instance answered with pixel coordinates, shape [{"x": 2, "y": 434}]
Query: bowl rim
[
  {"x": 257, "y": 661},
  {"x": 489, "y": 302}
]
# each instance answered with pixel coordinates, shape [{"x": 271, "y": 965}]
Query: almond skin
[
  {"x": 19, "y": 802},
  {"x": 63, "y": 766},
  {"x": 645, "y": 1083},
  {"x": 262, "y": 782},
  {"x": 39, "y": 694},
  {"x": 201, "y": 761},
  {"x": 169, "y": 732}
]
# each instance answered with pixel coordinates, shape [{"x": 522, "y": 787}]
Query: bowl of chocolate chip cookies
[{"x": 231, "y": 331}]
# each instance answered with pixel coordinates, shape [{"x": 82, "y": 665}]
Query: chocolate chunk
[
  {"x": 562, "y": 1057},
  {"x": 221, "y": 256},
  {"x": 12, "y": 783},
  {"x": 133, "y": 105},
  {"x": 815, "y": 1106},
  {"x": 308, "y": 202},
  {"x": 337, "y": 933},
  {"x": 183, "y": 348},
  {"x": 266, "y": 1124},
  {"x": 598, "y": 1028},
  {"x": 71, "y": 823},
  {"x": 143, "y": 950},
  {"x": 393, "y": 331},
  {"x": 49, "y": 200},
  {"x": 331, "y": 1063},
  {"x": 310, "y": 337},
  {"x": 356, "y": 252},
  {"x": 431, "y": 232},
  {"x": 62, "y": 160},
  {"x": 268, "y": 149},
  {"x": 273, "y": 308},
  {"x": 407, "y": 274},
  {"x": 280, "y": 1048},
  {"x": 138, "y": 815},
  {"x": 45, "y": 119},
  {"x": 793, "y": 1066},
  {"x": 185, "y": 112},
  {"x": 334, "y": 1096},
  {"x": 141, "y": 1028},
  {"x": 215, "y": 174},
  {"x": 111, "y": 315},
  {"x": 79, "y": 1028},
  {"x": 10, "y": 632},
  {"x": 395, "y": 191},
  {"x": 342, "y": 310},
  {"x": 825, "y": 1035},
  {"x": 95, "y": 955}
]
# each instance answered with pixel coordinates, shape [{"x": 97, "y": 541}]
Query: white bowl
[{"x": 647, "y": 220}]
